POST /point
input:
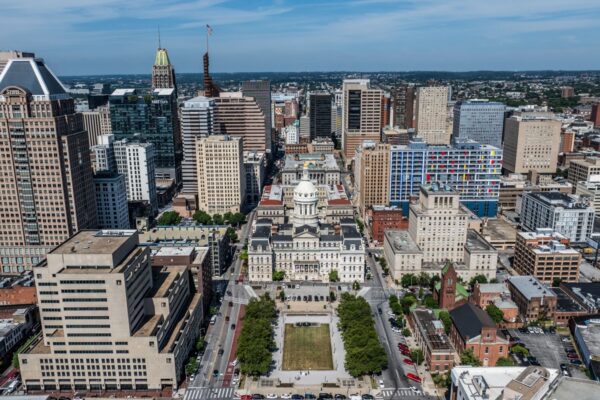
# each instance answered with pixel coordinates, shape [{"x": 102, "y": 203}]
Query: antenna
[{"x": 159, "y": 45}]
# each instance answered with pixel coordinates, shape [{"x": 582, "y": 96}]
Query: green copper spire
[{"x": 162, "y": 57}]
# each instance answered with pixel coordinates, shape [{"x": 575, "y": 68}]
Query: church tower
[{"x": 447, "y": 296}]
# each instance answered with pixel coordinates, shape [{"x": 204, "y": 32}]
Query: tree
[
  {"x": 406, "y": 302},
  {"x": 361, "y": 226},
  {"x": 406, "y": 332},
  {"x": 505, "y": 362},
  {"x": 227, "y": 217},
  {"x": 332, "y": 296},
  {"x": 333, "y": 276},
  {"x": 477, "y": 279},
  {"x": 395, "y": 306},
  {"x": 521, "y": 350},
  {"x": 218, "y": 219},
  {"x": 434, "y": 279},
  {"x": 282, "y": 295},
  {"x": 444, "y": 316},
  {"x": 169, "y": 218},
  {"x": 556, "y": 282},
  {"x": 231, "y": 234},
  {"x": 355, "y": 285},
  {"x": 493, "y": 280},
  {"x": 495, "y": 313},
  {"x": 278, "y": 275},
  {"x": 417, "y": 356},
  {"x": 200, "y": 343},
  {"x": 191, "y": 366},
  {"x": 256, "y": 344},
  {"x": 244, "y": 255},
  {"x": 202, "y": 217},
  {"x": 429, "y": 302},
  {"x": 237, "y": 219},
  {"x": 468, "y": 358},
  {"x": 408, "y": 280},
  {"x": 424, "y": 279}
]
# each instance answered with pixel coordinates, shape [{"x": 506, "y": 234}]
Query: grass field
[{"x": 307, "y": 347}]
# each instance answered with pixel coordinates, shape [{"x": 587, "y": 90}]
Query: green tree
[
  {"x": 333, "y": 276},
  {"x": 231, "y": 234},
  {"x": 200, "y": 343},
  {"x": 495, "y": 313},
  {"x": 244, "y": 255},
  {"x": 278, "y": 275},
  {"x": 169, "y": 218},
  {"x": 256, "y": 344},
  {"x": 477, "y": 279},
  {"x": 395, "y": 306},
  {"x": 407, "y": 301},
  {"x": 468, "y": 358},
  {"x": 355, "y": 285},
  {"x": 332, "y": 296},
  {"x": 521, "y": 350},
  {"x": 429, "y": 302},
  {"x": 282, "y": 295},
  {"x": 408, "y": 280},
  {"x": 556, "y": 282},
  {"x": 218, "y": 219},
  {"x": 434, "y": 279},
  {"x": 505, "y": 362},
  {"x": 237, "y": 219},
  {"x": 424, "y": 279},
  {"x": 406, "y": 332},
  {"x": 444, "y": 316},
  {"x": 191, "y": 366},
  {"x": 417, "y": 356},
  {"x": 227, "y": 217},
  {"x": 202, "y": 217}
]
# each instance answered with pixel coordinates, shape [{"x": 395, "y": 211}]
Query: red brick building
[
  {"x": 432, "y": 340},
  {"x": 472, "y": 328},
  {"x": 18, "y": 296},
  {"x": 595, "y": 116},
  {"x": 384, "y": 218}
]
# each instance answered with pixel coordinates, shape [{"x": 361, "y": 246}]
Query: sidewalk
[{"x": 426, "y": 379}]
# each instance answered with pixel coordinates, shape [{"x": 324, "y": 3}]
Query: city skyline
[{"x": 111, "y": 37}]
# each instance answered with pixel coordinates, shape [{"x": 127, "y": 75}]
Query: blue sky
[{"x": 119, "y": 36}]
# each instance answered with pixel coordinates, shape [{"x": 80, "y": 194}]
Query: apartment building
[
  {"x": 531, "y": 143},
  {"x": 371, "y": 175},
  {"x": 432, "y": 340},
  {"x": 591, "y": 190},
  {"x": 220, "y": 166},
  {"x": 383, "y": 218},
  {"x": 569, "y": 215},
  {"x": 109, "y": 320},
  {"x": 97, "y": 122},
  {"x": 260, "y": 92},
  {"x": 582, "y": 170},
  {"x": 535, "y": 300},
  {"x": 361, "y": 118},
  {"x": 547, "y": 256},
  {"x": 431, "y": 114}
]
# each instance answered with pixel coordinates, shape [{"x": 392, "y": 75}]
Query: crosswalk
[
  {"x": 201, "y": 393},
  {"x": 397, "y": 394}
]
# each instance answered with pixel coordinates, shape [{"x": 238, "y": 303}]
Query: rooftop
[
  {"x": 492, "y": 288},
  {"x": 566, "y": 388},
  {"x": 174, "y": 251},
  {"x": 476, "y": 242},
  {"x": 95, "y": 242},
  {"x": 530, "y": 287},
  {"x": 401, "y": 242},
  {"x": 311, "y": 160},
  {"x": 469, "y": 320},
  {"x": 587, "y": 293},
  {"x": 564, "y": 303},
  {"x": 32, "y": 75},
  {"x": 559, "y": 199},
  {"x": 432, "y": 331},
  {"x": 590, "y": 332}
]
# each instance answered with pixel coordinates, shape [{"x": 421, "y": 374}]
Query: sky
[{"x": 84, "y": 37}]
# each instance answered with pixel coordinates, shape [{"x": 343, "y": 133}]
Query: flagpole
[{"x": 207, "y": 28}]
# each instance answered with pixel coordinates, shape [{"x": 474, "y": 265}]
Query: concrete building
[
  {"x": 320, "y": 115},
  {"x": 97, "y": 123},
  {"x": 371, "y": 175},
  {"x": 547, "y": 256},
  {"x": 239, "y": 116},
  {"x": 569, "y": 215},
  {"x": 483, "y": 383},
  {"x": 431, "y": 114},
  {"x": 220, "y": 167},
  {"x": 402, "y": 254},
  {"x": 291, "y": 133},
  {"x": 260, "y": 91},
  {"x": 136, "y": 162},
  {"x": 103, "y": 154},
  {"x": 583, "y": 170},
  {"x": 432, "y": 340},
  {"x": 471, "y": 169},
  {"x": 438, "y": 224},
  {"x": 535, "y": 300},
  {"x": 48, "y": 187},
  {"x": 479, "y": 120},
  {"x": 304, "y": 129},
  {"x": 480, "y": 256},
  {"x": 472, "y": 328},
  {"x": 323, "y": 168},
  {"x": 403, "y": 103},
  {"x": 586, "y": 331},
  {"x": 531, "y": 143},
  {"x": 255, "y": 174},
  {"x": 163, "y": 73},
  {"x": 395, "y": 136},
  {"x": 305, "y": 248},
  {"x": 111, "y": 200},
  {"x": 361, "y": 115},
  {"x": 513, "y": 186},
  {"x": 14, "y": 330},
  {"x": 591, "y": 190},
  {"x": 5, "y": 56},
  {"x": 196, "y": 122},
  {"x": 101, "y": 300}
]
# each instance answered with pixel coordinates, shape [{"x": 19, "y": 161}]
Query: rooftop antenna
[
  {"x": 159, "y": 45},
  {"x": 209, "y": 31}
]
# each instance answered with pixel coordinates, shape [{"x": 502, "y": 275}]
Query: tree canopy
[
  {"x": 409, "y": 280},
  {"x": 278, "y": 275},
  {"x": 468, "y": 358},
  {"x": 169, "y": 218},
  {"x": 495, "y": 313},
  {"x": 478, "y": 279},
  {"x": 334, "y": 276},
  {"x": 202, "y": 217},
  {"x": 444, "y": 316}
]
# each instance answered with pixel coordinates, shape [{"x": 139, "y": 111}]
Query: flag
[{"x": 209, "y": 30}]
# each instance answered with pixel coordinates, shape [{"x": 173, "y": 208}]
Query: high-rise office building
[
  {"x": 402, "y": 107},
  {"x": 163, "y": 73},
  {"x": 152, "y": 118},
  {"x": 304, "y": 129},
  {"x": 7, "y": 55},
  {"x": 103, "y": 154},
  {"x": 431, "y": 114},
  {"x": 196, "y": 122},
  {"x": 220, "y": 171},
  {"x": 110, "y": 321},
  {"x": 97, "y": 122},
  {"x": 48, "y": 188},
  {"x": 111, "y": 200},
  {"x": 136, "y": 161},
  {"x": 531, "y": 143},
  {"x": 260, "y": 91},
  {"x": 371, "y": 175},
  {"x": 320, "y": 115},
  {"x": 239, "y": 116},
  {"x": 472, "y": 169},
  {"x": 254, "y": 173},
  {"x": 361, "y": 115},
  {"x": 595, "y": 114},
  {"x": 479, "y": 120}
]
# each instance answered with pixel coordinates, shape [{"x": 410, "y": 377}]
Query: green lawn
[{"x": 307, "y": 347}]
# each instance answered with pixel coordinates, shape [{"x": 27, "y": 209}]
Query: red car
[
  {"x": 246, "y": 397},
  {"x": 402, "y": 346},
  {"x": 405, "y": 353},
  {"x": 413, "y": 377},
  {"x": 408, "y": 361}
]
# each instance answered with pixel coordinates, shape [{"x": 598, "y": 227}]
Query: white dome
[{"x": 305, "y": 189}]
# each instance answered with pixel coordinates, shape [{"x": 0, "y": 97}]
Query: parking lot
[{"x": 546, "y": 347}]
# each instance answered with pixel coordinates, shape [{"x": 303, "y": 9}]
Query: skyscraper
[
  {"x": 479, "y": 120},
  {"x": 7, "y": 55},
  {"x": 240, "y": 116},
  {"x": 163, "y": 73},
  {"x": 111, "y": 200},
  {"x": 361, "y": 115},
  {"x": 152, "y": 118},
  {"x": 320, "y": 115},
  {"x": 47, "y": 179},
  {"x": 260, "y": 91},
  {"x": 196, "y": 122},
  {"x": 432, "y": 114},
  {"x": 403, "y": 103}
]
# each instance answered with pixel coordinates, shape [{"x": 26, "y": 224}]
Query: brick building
[
  {"x": 534, "y": 299},
  {"x": 18, "y": 296},
  {"x": 384, "y": 218},
  {"x": 432, "y": 340},
  {"x": 472, "y": 328}
]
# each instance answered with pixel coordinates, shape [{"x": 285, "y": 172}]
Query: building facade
[
  {"x": 254, "y": 174},
  {"x": 371, "y": 176},
  {"x": 111, "y": 200},
  {"x": 431, "y": 114},
  {"x": 479, "y": 120},
  {"x": 535, "y": 300},
  {"x": 382, "y": 218},
  {"x": 260, "y": 91},
  {"x": 320, "y": 115},
  {"x": 431, "y": 338},
  {"x": 48, "y": 187},
  {"x": 239, "y": 116},
  {"x": 582, "y": 170},
  {"x": 322, "y": 168},
  {"x": 163, "y": 73},
  {"x": 403, "y": 105}
]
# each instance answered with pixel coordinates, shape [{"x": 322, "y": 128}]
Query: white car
[
  {"x": 235, "y": 362},
  {"x": 271, "y": 396},
  {"x": 391, "y": 313},
  {"x": 381, "y": 384},
  {"x": 286, "y": 396}
]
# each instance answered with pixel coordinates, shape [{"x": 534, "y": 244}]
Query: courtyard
[{"x": 307, "y": 346}]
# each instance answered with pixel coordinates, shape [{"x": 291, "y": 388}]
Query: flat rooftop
[
  {"x": 492, "y": 288},
  {"x": 174, "y": 251},
  {"x": 401, "y": 242},
  {"x": 564, "y": 303},
  {"x": 583, "y": 389},
  {"x": 476, "y": 242},
  {"x": 311, "y": 160},
  {"x": 591, "y": 337},
  {"x": 95, "y": 242},
  {"x": 530, "y": 287},
  {"x": 499, "y": 230}
]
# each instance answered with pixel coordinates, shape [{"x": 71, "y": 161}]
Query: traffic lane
[{"x": 223, "y": 360}]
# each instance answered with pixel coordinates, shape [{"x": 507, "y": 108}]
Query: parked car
[
  {"x": 339, "y": 397},
  {"x": 297, "y": 397},
  {"x": 246, "y": 397},
  {"x": 221, "y": 351},
  {"x": 367, "y": 397},
  {"x": 325, "y": 396},
  {"x": 575, "y": 362},
  {"x": 272, "y": 396},
  {"x": 413, "y": 377},
  {"x": 216, "y": 373},
  {"x": 408, "y": 361},
  {"x": 232, "y": 326},
  {"x": 286, "y": 396}
]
